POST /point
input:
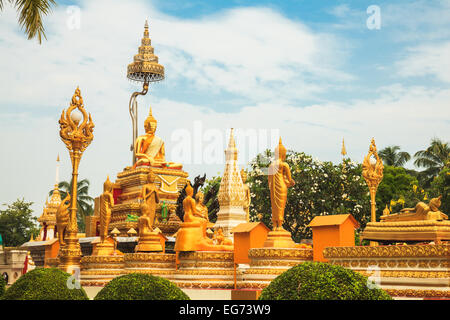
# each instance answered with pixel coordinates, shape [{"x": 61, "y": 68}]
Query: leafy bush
[
  {"x": 44, "y": 284},
  {"x": 136, "y": 286},
  {"x": 321, "y": 281},
  {"x": 2, "y": 286}
]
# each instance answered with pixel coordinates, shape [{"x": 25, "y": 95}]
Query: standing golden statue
[
  {"x": 279, "y": 181},
  {"x": 192, "y": 234},
  {"x": 106, "y": 204},
  {"x": 248, "y": 199},
  {"x": 149, "y": 239},
  {"x": 76, "y": 131},
  {"x": 105, "y": 246},
  {"x": 62, "y": 218}
]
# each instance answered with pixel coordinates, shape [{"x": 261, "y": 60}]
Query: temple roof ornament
[
  {"x": 231, "y": 191},
  {"x": 145, "y": 67},
  {"x": 343, "y": 150}
]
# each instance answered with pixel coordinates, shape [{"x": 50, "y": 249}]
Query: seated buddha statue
[
  {"x": 192, "y": 233},
  {"x": 149, "y": 148},
  {"x": 202, "y": 210}
]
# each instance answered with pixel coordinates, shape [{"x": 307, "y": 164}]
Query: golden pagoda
[
  {"x": 48, "y": 217},
  {"x": 232, "y": 195}
]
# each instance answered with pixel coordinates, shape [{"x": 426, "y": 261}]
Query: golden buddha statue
[
  {"x": 106, "y": 245},
  {"x": 148, "y": 237},
  {"x": 192, "y": 234},
  {"x": 106, "y": 203},
  {"x": 62, "y": 218},
  {"x": 248, "y": 198},
  {"x": 202, "y": 211},
  {"x": 219, "y": 238},
  {"x": 149, "y": 148},
  {"x": 279, "y": 181},
  {"x": 421, "y": 211}
]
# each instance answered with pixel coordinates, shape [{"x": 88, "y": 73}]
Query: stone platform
[
  {"x": 268, "y": 263},
  {"x": 99, "y": 270},
  {"x": 406, "y": 271}
]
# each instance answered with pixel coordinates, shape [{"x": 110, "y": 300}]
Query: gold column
[
  {"x": 373, "y": 174},
  {"x": 77, "y": 138}
]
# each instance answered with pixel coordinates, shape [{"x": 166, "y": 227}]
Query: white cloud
[{"x": 430, "y": 59}]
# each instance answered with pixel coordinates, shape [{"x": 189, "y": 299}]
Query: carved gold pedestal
[
  {"x": 279, "y": 239},
  {"x": 69, "y": 256},
  {"x": 268, "y": 263},
  {"x": 404, "y": 271},
  {"x": 168, "y": 182},
  {"x": 99, "y": 270},
  {"x": 205, "y": 270},
  {"x": 158, "y": 264},
  {"x": 420, "y": 230},
  {"x": 104, "y": 249},
  {"x": 149, "y": 243}
]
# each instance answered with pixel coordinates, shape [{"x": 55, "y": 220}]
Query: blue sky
[{"x": 310, "y": 71}]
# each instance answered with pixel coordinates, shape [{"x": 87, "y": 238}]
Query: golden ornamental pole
[
  {"x": 373, "y": 174},
  {"x": 77, "y": 138}
]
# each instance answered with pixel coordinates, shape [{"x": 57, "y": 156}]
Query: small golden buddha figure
[
  {"x": 202, "y": 211},
  {"x": 62, "y": 218},
  {"x": 148, "y": 237},
  {"x": 149, "y": 148},
  {"x": 248, "y": 198},
  {"x": 106, "y": 203},
  {"x": 386, "y": 211},
  {"x": 219, "y": 238},
  {"x": 192, "y": 234},
  {"x": 279, "y": 181}
]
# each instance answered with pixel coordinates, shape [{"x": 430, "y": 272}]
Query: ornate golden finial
[
  {"x": 150, "y": 118},
  {"x": 386, "y": 211},
  {"x": 343, "y": 150},
  {"x": 373, "y": 174},
  {"x": 280, "y": 150},
  {"x": 57, "y": 159}
]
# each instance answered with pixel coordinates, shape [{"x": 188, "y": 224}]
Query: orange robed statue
[{"x": 279, "y": 181}]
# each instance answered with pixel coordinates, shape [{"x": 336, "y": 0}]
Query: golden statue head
[
  {"x": 189, "y": 190},
  {"x": 280, "y": 151},
  {"x": 107, "y": 186},
  {"x": 244, "y": 176},
  {"x": 199, "y": 196},
  {"x": 151, "y": 176},
  {"x": 435, "y": 203},
  {"x": 150, "y": 123}
]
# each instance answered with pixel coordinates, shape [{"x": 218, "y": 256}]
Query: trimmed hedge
[
  {"x": 44, "y": 284},
  {"x": 2, "y": 285},
  {"x": 137, "y": 286},
  {"x": 321, "y": 281}
]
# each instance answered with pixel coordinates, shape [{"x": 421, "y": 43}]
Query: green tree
[
  {"x": 17, "y": 223},
  {"x": 85, "y": 203},
  {"x": 321, "y": 188},
  {"x": 392, "y": 156},
  {"x": 441, "y": 186},
  {"x": 397, "y": 186},
  {"x": 30, "y": 15},
  {"x": 433, "y": 159}
]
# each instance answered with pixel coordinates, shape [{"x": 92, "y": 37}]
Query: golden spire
[
  {"x": 343, "y": 150},
  {"x": 280, "y": 150},
  {"x": 150, "y": 118}
]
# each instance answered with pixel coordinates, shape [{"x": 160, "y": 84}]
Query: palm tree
[
  {"x": 434, "y": 158},
  {"x": 392, "y": 157},
  {"x": 30, "y": 15},
  {"x": 84, "y": 201}
]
